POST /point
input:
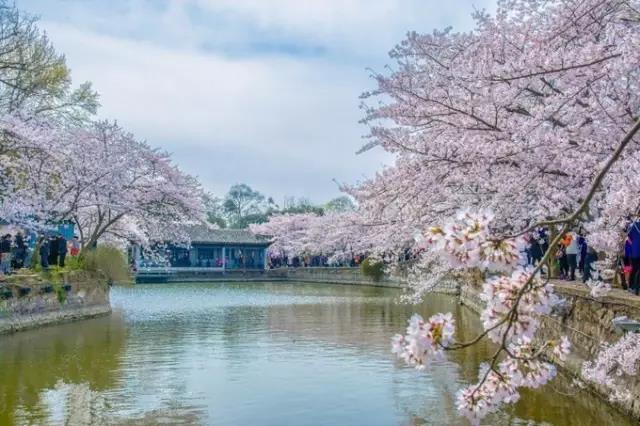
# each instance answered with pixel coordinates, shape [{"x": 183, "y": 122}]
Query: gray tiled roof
[{"x": 203, "y": 234}]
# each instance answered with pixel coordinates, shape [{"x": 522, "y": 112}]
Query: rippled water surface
[{"x": 253, "y": 354}]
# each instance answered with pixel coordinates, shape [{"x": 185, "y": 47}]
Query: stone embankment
[
  {"x": 28, "y": 301},
  {"x": 351, "y": 276},
  {"x": 587, "y": 323},
  {"x": 325, "y": 275}
]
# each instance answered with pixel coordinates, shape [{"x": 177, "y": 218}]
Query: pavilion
[{"x": 210, "y": 251}]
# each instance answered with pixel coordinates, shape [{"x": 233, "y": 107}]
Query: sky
[{"x": 263, "y": 92}]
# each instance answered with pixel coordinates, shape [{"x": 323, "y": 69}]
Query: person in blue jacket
[{"x": 634, "y": 255}]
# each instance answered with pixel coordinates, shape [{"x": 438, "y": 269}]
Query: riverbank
[
  {"x": 322, "y": 275},
  {"x": 30, "y": 301},
  {"x": 587, "y": 322}
]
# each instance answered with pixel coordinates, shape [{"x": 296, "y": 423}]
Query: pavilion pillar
[
  {"x": 224, "y": 258},
  {"x": 264, "y": 256}
]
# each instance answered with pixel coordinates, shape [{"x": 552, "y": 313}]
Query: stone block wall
[
  {"x": 28, "y": 301},
  {"x": 329, "y": 275},
  {"x": 587, "y": 323}
]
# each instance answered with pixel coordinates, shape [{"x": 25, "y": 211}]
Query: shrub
[
  {"x": 108, "y": 260},
  {"x": 74, "y": 263},
  {"x": 372, "y": 269}
]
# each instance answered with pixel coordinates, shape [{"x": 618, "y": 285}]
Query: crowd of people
[
  {"x": 16, "y": 251},
  {"x": 572, "y": 254},
  {"x": 573, "y": 258},
  {"x": 313, "y": 261},
  {"x": 13, "y": 252}
]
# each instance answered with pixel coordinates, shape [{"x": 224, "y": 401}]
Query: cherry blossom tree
[
  {"x": 529, "y": 120},
  {"x": 109, "y": 184},
  {"x": 27, "y": 164},
  {"x": 335, "y": 235},
  {"x": 507, "y": 117},
  {"x": 111, "y": 176},
  {"x": 532, "y": 117}
]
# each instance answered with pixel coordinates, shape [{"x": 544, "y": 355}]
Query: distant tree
[
  {"x": 243, "y": 203},
  {"x": 298, "y": 206},
  {"x": 34, "y": 78},
  {"x": 340, "y": 205},
  {"x": 214, "y": 210},
  {"x": 250, "y": 219}
]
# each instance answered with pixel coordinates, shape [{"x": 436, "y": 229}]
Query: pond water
[{"x": 254, "y": 353}]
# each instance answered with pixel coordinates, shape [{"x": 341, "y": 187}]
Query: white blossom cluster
[
  {"x": 613, "y": 363},
  {"x": 424, "y": 341}
]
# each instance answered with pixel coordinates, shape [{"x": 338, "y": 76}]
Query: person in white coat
[{"x": 572, "y": 256}]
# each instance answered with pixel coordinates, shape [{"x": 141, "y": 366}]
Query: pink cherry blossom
[{"x": 424, "y": 342}]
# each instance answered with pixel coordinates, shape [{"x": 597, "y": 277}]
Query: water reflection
[
  {"x": 273, "y": 354},
  {"x": 35, "y": 361}
]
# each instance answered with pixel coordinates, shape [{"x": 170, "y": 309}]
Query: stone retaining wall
[
  {"x": 33, "y": 302},
  {"x": 328, "y": 275},
  {"x": 586, "y": 322}
]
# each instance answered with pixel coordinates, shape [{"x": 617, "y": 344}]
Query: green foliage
[
  {"x": 245, "y": 221},
  {"x": 60, "y": 293},
  {"x": 108, "y": 260},
  {"x": 340, "y": 205},
  {"x": 242, "y": 201},
  {"x": 243, "y": 206},
  {"x": 216, "y": 220},
  {"x": 301, "y": 205},
  {"x": 55, "y": 275},
  {"x": 372, "y": 269},
  {"x": 73, "y": 263},
  {"x": 35, "y": 77},
  {"x": 214, "y": 210}
]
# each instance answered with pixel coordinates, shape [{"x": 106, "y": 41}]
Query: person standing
[
  {"x": 582, "y": 246},
  {"x": 43, "y": 251},
  {"x": 589, "y": 258},
  {"x": 62, "y": 249},
  {"x": 625, "y": 277},
  {"x": 561, "y": 258},
  {"x": 543, "y": 239},
  {"x": 5, "y": 254},
  {"x": 634, "y": 255},
  {"x": 572, "y": 254},
  {"x": 21, "y": 250},
  {"x": 53, "y": 250},
  {"x": 75, "y": 246},
  {"x": 535, "y": 249}
]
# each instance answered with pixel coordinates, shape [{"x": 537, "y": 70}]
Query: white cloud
[
  {"x": 270, "y": 108},
  {"x": 345, "y": 25},
  {"x": 191, "y": 78}
]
